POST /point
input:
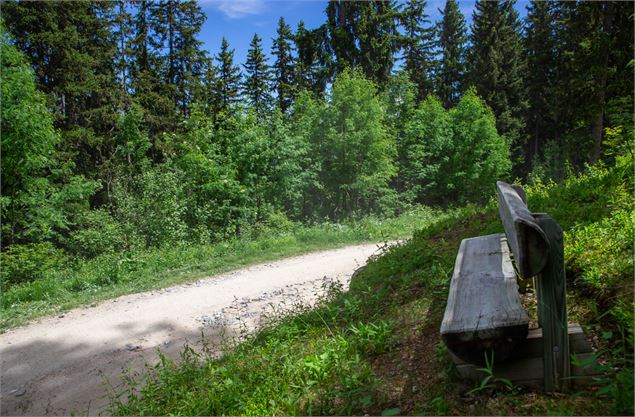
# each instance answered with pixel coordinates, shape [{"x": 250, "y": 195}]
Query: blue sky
[{"x": 238, "y": 20}]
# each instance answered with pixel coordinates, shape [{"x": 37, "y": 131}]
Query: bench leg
[{"x": 552, "y": 309}]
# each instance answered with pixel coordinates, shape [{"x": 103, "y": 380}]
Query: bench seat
[{"x": 484, "y": 312}]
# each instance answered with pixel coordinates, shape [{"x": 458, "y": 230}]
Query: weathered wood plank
[
  {"x": 528, "y": 372},
  {"x": 552, "y": 308},
  {"x": 484, "y": 311},
  {"x": 526, "y": 365},
  {"x": 526, "y": 239},
  {"x": 532, "y": 347}
]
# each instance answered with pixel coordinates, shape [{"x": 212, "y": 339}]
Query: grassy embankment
[
  {"x": 79, "y": 282},
  {"x": 376, "y": 349}
]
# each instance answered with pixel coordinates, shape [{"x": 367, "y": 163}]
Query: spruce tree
[
  {"x": 228, "y": 79},
  {"x": 283, "y": 66},
  {"x": 146, "y": 79},
  {"x": 341, "y": 23},
  {"x": 364, "y": 35},
  {"x": 257, "y": 77},
  {"x": 72, "y": 50},
  {"x": 314, "y": 63},
  {"x": 377, "y": 33},
  {"x": 452, "y": 40},
  {"x": 540, "y": 52},
  {"x": 418, "y": 45},
  {"x": 177, "y": 23},
  {"x": 497, "y": 68}
]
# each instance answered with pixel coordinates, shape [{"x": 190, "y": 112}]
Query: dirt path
[{"x": 61, "y": 365}]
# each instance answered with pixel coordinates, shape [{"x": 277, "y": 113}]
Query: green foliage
[
  {"x": 29, "y": 262},
  {"x": 496, "y": 68},
  {"x": 39, "y": 194},
  {"x": 355, "y": 152},
  {"x": 96, "y": 233},
  {"x": 599, "y": 253},
  {"x": 456, "y": 151},
  {"x": 258, "y": 77},
  {"x": 418, "y": 43},
  {"x": 152, "y": 206},
  {"x": 452, "y": 40}
]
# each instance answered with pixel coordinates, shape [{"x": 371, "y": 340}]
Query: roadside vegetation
[
  {"x": 376, "y": 348},
  {"x": 43, "y": 280}
]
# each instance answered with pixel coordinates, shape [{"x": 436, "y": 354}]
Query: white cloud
[{"x": 235, "y": 9}]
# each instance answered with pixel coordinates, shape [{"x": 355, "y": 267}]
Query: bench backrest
[{"x": 527, "y": 240}]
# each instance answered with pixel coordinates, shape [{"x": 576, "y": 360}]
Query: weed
[{"x": 490, "y": 381}]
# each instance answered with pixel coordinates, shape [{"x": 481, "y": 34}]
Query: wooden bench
[{"x": 484, "y": 313}]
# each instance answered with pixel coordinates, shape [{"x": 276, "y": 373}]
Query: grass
[
  {"x": 89, "y": 281},
  {"x": 376, "y": 350}
]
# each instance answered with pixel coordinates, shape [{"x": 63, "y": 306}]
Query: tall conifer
[
  {"x": 257, "y": 81},
  {"x": 228, "y": 79},
  {"x": 452, "y": 40},
  {"x": 497, "y": 69},
  {"x": 283, "y": 66},
  {"x": 418, "y": 44}
]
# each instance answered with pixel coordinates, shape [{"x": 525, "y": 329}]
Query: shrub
[
  {"x": 98, "y": 233},
  {"x": 29, "y": 262}
]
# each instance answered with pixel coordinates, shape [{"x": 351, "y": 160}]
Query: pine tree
[
  {"x": 496, "y": 69},
  {"x": 283, "y": 67},
  {"x": 418, "y": 44},
  {"x": 377, "y": 39},
  {"x": 257, "y": 77},
  {"x": 452, "y": 40},
  {"x": 228, "y": 80}
]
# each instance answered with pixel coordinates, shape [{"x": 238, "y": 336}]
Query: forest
[
  {"x": 133, "y": 158},
  {"x": 120, "y": 132}
]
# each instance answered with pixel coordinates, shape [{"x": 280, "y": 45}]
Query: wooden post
[{"x": 552, "y": 309}]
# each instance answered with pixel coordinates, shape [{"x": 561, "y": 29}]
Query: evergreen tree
[
  {"x": 363, "y": 34},
  {"x": 540, "y": 52},
  {"x": 123, "y": 30},
  {"x": 72, "y": 50},
  {"x": 40, "y": 195},
  {"x": 177, "y": 23},
  {"x": 228, "y": 80},
  {"x": 257, "y": 77},
  {"x": 342, "y": 25},
  {"x": 497, "y": 68},
  {"x": 418, "y": 45},
  {"x": 146, "y": 78},
  {"x": 452, "y": 40},
  {"x": 377, "y": 33},
  {"x": 314, "y": 63},
  {"x": 206, "y": 94},
  {"x": 283, "y": 67}
]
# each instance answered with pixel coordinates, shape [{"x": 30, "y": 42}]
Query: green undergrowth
[
  {"x": 375, "y": 349},
  {"x": 63, "y": 284}
]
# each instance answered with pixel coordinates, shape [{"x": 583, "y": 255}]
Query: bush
[
  {"x": 98, "y": 233},
  {"x": 29, "y": 262}
]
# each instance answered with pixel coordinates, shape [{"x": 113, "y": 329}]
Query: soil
[{"x": 68, "y": 363}]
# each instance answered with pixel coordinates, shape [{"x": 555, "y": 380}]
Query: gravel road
[{"x": 63, "y": 364}]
